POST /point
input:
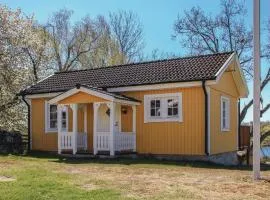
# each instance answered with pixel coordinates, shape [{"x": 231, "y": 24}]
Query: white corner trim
[
  {"x": 31, "y": 122},
  {"x": 237, "y": 125},
  {"x": 44, "y": 95},
  {"x": 160, "y": 86},
  {"x": 223, "y": 98},
  {"x": 163, "y": 117},
  {"x": 224, "y": 67},
  {"x": 242, "y": 76},
  {"x": 208, "y": 90}
]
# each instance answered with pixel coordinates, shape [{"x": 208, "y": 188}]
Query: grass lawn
[{"x": 48, "y": 177}]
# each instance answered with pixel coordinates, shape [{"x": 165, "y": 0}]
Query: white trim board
[
  {"x": 90, "y": 92},
  {"x": 44, "y": 95},
  {"x": 208, "y": 90},
  {"x": 160, "y": 86}
]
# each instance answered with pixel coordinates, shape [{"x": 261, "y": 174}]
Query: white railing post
[
  {"x": 59, "y": 126},
  {"x": 134, "y": 126},
  {"x": 75, "y": 127},
  {"x": 95, "y": 108},
  {"x": 111, "y": 105}
]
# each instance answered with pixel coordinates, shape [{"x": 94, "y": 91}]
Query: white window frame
[
  {"x": 227, "y": 114},
  {"x": 48, "y": 129},
  {"x": 164, "y": 107}
]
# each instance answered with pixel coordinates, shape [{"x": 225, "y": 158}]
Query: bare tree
[
  {"x": 69, "y": 42},
  {"x": 39, "y": 53},
  {"x": 201, "y": 33},
  {"x": 127, "y": 30}
]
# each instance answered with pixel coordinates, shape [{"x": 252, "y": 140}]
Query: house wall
[
  {"x": 185, "y": 137},
  {"x": 224, "y": 141},
  {"x": 48, "y": 141},
  {"x": 126, "y": 119},
  {"x": 182, "y": 138}
]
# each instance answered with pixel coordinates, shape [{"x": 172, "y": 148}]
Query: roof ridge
[{"x": 145, "y": 62}]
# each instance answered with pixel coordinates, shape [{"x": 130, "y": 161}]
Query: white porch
[{"x": 105, "y": 123}]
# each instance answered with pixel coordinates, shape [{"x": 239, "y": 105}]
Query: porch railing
[
  {"x": 82, "y": 141},
  {"x": 67, "y": 140},
  {"x": 103, "y": 141},
  {"x": 122, "y": 141},
  {"x": 125, "y": 141}
]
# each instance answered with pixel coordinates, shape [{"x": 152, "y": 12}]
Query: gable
[
  {"x": 81, "y": 97},
  {"x": 227, "y": 83}
]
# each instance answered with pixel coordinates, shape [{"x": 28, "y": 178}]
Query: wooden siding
[
  {"x": 40, "y": 139},
  {"x": 126, "y": 119},
  {"x": 223, "y": 141},
  {"x": 48, "y": 141},
  {"x": 186, "y": 138},
  {"x": 81, "y": 97}
]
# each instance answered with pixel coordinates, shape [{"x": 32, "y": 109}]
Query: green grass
[
  {"x": 36, "y": 179},
  {"x": 43, "y": 176}
]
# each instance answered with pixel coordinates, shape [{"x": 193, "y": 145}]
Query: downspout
[
  {"x": 205, "y": 118},
  {"x": 28, "y": 122}
]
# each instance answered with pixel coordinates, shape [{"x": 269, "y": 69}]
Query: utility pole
[{"x": 256, "y": 89}]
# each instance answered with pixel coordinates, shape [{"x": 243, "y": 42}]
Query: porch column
[
  {"x": 111, "y": 105},
  {"x": 95, "y": 125},
  {"x": 134, "y": 125},
  {"x": 75, "y": 127},
  {"x": 59, "y": 126}
]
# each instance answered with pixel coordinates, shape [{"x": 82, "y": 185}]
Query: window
[
  {"x": 163, "y": 107},
  {"x": 225, "y": 114},
  {"x": 64, "y": 118},
  {"x": 155, "y": 108},
  {"x": 172, "y": 107},
  {"x": 51, "y": 118}
]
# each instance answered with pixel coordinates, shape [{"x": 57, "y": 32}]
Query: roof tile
[{"x": 183, "y": 69}]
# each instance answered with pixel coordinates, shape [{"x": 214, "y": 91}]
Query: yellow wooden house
[{"x": 175, "y": 107}]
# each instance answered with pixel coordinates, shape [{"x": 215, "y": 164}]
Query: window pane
[
  {"x": 158, "y": 103},
  {"x": 170, "y": 113},
  {"x": 170, "y": 102},
  {"x": 153, "y": 104},
  {"x": 64, "y": 115},
  {"x": 53, "y": 108},
  {"x": 53, "y": 124},
  {"x": 64, "y": 124},
  {"x": 153, "y": 112},
  {"x": 175, "y": 111},
  {"x": 158, "y": 112},
  {"x": 53, "y": 116}
]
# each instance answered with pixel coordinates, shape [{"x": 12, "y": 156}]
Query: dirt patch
[
  {"x": 90, "y": 186},
  {"x": 145, "y": 182},
  {"x": 6, "y": 179}
]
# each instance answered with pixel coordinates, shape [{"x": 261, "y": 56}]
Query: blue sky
[{"x": 157, "y": 17}]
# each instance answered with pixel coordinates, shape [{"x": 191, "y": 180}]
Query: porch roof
[{"x": 98, "y": 92}]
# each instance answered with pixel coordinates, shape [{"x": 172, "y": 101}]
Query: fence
[{"x": 12, "y": 142}]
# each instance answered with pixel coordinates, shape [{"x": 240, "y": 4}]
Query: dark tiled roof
[{"x": 183, "y": 69}]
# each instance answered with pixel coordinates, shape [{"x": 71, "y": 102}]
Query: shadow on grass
[{"x": 52, "y": 157}]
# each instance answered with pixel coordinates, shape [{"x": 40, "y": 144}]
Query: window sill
[
  {"x": 225, "y": 130},
  {"x": 49, "y": 131},
  {"x": 163, "y": 120}
]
